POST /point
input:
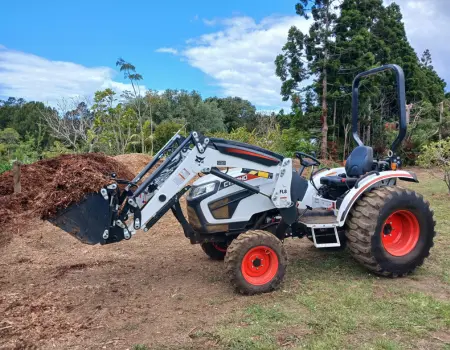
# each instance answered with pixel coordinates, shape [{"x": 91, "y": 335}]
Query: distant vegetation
[{"x": 345, "y": 38}]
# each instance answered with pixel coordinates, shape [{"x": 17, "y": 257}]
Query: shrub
[
  {"x": 5, "y": 166},
  {"x": 57, "y": 149},
  {"x": 437, "y": 154},
  {"x": 163, "y": 132}
]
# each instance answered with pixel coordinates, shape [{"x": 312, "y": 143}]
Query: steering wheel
[{"x": 307, "y": 160}]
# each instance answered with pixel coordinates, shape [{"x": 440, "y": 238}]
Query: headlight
[{"x": 202, "y": 189}]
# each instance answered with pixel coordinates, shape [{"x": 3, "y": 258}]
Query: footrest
[{"x": 327, "y": 245}]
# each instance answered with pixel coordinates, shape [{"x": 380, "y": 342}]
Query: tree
[
  {"x": 118, "y": 122},
  {"x": 236, "y": 110},
  {"x": 135, "y": 99},
  {"x": 317, "y": 49},
  {"x": 73, "y": 124},
  {"x": 25, "y": 118},
  {"x": 9, "y": 140},
  {"x": 164, "y": 131}
]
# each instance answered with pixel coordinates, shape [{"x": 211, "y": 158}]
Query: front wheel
[
  {"x": 390, "y": 230},
  {"x": 216, "y": 251},
  {"x": 256, "y": 262}
]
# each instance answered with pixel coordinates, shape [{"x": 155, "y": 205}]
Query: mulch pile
[
  {"x": 135, "y": 162},
  {"x": 53, "y": 184}
]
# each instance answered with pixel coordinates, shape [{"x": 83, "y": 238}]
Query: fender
[{"x": 370, "y": 181}]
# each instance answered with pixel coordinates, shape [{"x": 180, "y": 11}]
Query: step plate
[{"x": 319, "y": 219}]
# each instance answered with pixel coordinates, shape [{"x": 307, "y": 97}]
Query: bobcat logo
[{"x": 199, "y": 160}]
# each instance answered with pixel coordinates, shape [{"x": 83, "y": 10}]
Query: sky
[{"x": 57, "y": 49}]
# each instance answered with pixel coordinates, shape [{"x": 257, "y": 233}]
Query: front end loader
[{"x": 251, "y": 199}]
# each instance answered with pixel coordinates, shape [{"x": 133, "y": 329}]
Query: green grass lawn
[{"x": 329, "y": 302}]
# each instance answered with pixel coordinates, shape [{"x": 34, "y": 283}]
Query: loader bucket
[{"x": 86, "y": 220}]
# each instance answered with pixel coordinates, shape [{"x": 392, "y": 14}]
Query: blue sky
[{"x": 54, "y": 49}]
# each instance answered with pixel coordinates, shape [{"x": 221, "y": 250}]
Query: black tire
[
  {"x": 216, "y": 251},
  {"x": 259, "y": 244},
  {"x": 368, "y": 225}
]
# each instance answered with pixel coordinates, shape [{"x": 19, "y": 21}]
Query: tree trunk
[
  {"x": 441, "y": 111},
  {"x": 324, "y": 115},
  {"x": 334, "y": 122},
  {"x": 151, "y": 131},
  {"x": 363, "y": 136},
  {"x": 346, "y": 128},
  {"x": 142, "y": 135}
]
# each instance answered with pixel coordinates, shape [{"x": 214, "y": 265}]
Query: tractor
[{"x": 249, "y": 200}]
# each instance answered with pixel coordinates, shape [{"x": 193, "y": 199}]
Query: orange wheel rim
[
  {"x": 400, "y": 233},
  {"x": 260, "y": 265}
]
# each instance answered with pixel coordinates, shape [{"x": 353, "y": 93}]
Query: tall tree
[
  {"x": 317, "y": 50},
  {"x": 136, "y": 99},
  {"x": 235, "y": 109}
]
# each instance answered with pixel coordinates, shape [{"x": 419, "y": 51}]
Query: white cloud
[
  {"x": 426, "y": 25},
  {"x": 209, "y": 22},
  {"x": 240, "y": 57},
  {"x": 167, "y": 50},
  {"x": 36, "y": 78}
]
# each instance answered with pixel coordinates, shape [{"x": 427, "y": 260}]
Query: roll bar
[{"x": 400, "y": 82}]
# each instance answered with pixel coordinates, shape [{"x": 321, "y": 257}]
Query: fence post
[{"x": 16, "y": 177}]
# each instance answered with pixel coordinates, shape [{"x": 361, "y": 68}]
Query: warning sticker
[
  {"x": 179, "y": 179},
  {"x": 185, "y": 173}
]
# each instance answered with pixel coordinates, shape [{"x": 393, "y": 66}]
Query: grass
[
  {"x": 328, "y": 301},
  {"x": 140, "y": 347}
]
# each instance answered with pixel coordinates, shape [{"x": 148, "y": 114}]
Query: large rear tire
[
  {"x": 256, "y": 262},
  {"x": 216, "y": 251},
  {"x": 390, "y": 231}
]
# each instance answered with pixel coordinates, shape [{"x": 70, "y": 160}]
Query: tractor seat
[{"x": 358, "y": 163}]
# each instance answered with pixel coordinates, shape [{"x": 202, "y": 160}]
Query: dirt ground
[{"x": 156, "y": 289}]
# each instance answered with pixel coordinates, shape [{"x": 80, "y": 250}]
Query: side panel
[
  {"x": 311, "y": 191},
  {"x": 385, "y": 178},
  {"x": 248, "y": 206}
]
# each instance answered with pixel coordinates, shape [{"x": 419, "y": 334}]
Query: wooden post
[{"x": 16, "y": 177}]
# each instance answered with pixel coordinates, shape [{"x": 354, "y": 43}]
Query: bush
[
  {"x": 293, "y": 140},
  {"x": 56, "y": 150},
  {"x": 5, "y": 166},
  {"x": 437, "y": 154},
  {"x": 163, "y": 132}
]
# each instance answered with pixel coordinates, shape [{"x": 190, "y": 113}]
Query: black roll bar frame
[{"x": 400, "y": 82}]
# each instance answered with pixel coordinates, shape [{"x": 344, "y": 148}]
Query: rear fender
[{"x": 385, "y": 178}]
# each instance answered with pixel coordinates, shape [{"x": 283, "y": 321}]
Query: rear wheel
[
  {"x": 216, "y": 250},
  {"x": 256, "y": 262},
  {"x": 390, "y": 230}
]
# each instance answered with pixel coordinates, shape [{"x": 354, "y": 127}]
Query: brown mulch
[
  {"x": 53, "y": 184},
  {"x": 135, "y": 162}
]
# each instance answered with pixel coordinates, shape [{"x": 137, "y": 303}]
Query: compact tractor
[{"x": 249, "y": 200}]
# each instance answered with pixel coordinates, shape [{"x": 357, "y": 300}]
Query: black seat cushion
[
  {"x": 359, "y": 162},
  {"x": 338, "y": 181}
]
